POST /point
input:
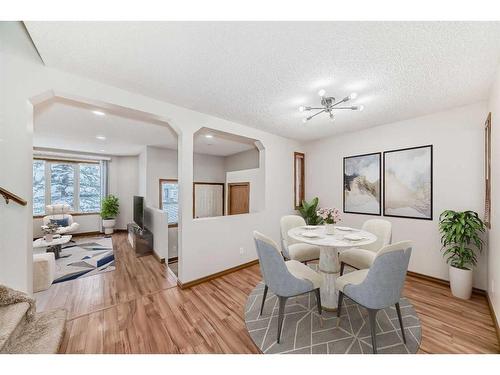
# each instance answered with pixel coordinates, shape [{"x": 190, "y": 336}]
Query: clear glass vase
[{"x": 329, "y": 228}]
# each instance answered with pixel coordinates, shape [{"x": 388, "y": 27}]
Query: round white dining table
[{"x": 330, "y": 245}]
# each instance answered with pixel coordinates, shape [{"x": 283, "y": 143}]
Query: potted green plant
[
  {"x": 110, "y": 207},
  {"x": 461, "y": 239},
  {"x": 308, "y": 211}
]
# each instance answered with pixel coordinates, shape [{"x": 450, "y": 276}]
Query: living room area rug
[{"x": 86, "y": 257}]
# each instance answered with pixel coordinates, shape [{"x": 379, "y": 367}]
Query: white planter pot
[
  {"x": 330, "y": 228},
  {"x": 108, "y": 225},
  {"x": 461, "y": 282}
]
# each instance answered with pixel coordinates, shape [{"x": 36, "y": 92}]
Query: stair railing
[{"x": 8, "y": 196}]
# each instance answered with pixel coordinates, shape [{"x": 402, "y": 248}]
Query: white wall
[
  {"x": 242, "y": 160},
  {"x": 16, "y": 144},
  {"x": 123, "y": 176},
  {"x": 256, "y": 179},
  {"x": 156, "y": 221},
  {"x": 160, "y": 163},
  {"x": 204, "y": 247},
  {"x": 494, "y": 233},
  {"x": 142, "y": 172},
  {"x": 209, "y": 168},
  {"x": 457, "y": 137}
]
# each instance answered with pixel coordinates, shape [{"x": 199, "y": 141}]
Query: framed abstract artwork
[
  {"x": 362, "y": 185},
  {"x": 408, "y": 183}
]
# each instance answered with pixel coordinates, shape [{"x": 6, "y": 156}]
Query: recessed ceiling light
[
  {"x": 100, "y": 137},
  {"x": 209, "y": 136},
  {"x": 98, "y": 113}
]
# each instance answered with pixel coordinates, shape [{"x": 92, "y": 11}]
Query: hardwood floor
[
  {"x": 133, "y": 278},
  {"x": 139, "y": 309}
]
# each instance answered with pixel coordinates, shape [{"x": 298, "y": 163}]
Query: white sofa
[{"x": 58, "y": 212}]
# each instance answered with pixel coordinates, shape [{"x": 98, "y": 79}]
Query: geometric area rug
[
  {"x": 306, "y": 332},
  {"x": 86, "y": 258}
]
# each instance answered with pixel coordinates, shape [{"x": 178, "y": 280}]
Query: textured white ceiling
[{"x": 258, "y": 73}]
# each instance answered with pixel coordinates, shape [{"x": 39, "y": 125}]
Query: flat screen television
[{"x": 139, "y": 211}]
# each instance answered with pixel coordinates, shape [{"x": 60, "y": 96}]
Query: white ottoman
[{"x": 44, "y": 269}]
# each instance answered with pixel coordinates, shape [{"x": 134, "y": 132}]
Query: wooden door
[{"x": 239, "y": 198}]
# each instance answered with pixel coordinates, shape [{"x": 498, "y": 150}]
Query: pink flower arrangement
[{"x": 329, "y": 215}]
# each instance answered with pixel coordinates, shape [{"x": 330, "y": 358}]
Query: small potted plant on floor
[
  {"x": 109, "y": 211},
  {"x": 330, "y": 216},
  {"x": 308, "y": 211},
  {"x": 461, "y": 239}
]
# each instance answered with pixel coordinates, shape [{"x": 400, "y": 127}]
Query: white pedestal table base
[{"x": 329, "y": 269}]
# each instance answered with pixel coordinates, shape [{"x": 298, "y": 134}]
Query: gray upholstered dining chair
[
  {"x": 293, "y": 249},
  {"x": 363, "y": 257},
  {"x": 379, "y": 286},
  {"x": 285, "y": 279}
]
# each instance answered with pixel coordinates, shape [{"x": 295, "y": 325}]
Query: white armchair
[
  {"x": 363, "y": 257},
  {"x": 293, "y": 249},
  {"x": 60, "y": 212}
]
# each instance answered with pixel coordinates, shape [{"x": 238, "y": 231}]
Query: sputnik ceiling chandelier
[{"x": 329, "y": 104}]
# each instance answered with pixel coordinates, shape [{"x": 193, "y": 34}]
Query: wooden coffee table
[{"x": 53, "y": 246}]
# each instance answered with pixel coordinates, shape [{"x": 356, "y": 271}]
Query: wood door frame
[
  {"x": 299, "y": 156},
  {"x": 229, "y": 185},
  {"x": 162, "y": 180},
  {"x": 210, "y": 183}
]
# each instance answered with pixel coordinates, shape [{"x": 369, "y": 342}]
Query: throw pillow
[{"x": 61, "y": 222}]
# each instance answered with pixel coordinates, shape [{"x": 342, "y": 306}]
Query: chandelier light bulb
[
  {"x": 302, "y": 108},
  {"x": 361, "y": 107},
  {"x": 353, "y": 96},
  {"x": 304, "y": 120},
  {"x": 322, "y": 92}
]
